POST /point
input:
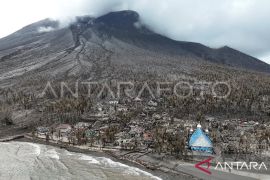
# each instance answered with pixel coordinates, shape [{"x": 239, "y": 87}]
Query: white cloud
[
  {"x": 265, "y": 58},
  {"x": 45, "y": 29},
  {"x": 242, "y": 24}
]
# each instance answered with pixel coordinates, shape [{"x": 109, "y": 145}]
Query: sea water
[{"x": 20, "y": 160}]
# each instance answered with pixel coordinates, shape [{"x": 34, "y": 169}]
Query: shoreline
[
  {"x": 164, "y": 169},
  {"x": 164, "y": 173}
]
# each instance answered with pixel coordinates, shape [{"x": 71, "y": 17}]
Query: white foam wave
[
  {"x": 52, "y": 154},
  {"x": 106, "y": 162},
  {"x": 90, "y": 159},
  {"x": 128, "y": 169},
  {"x": 37, "y": 148},
  {"x": 68, "y": 153}
]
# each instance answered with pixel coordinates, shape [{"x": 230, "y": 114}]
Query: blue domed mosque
[{"x": 199, "y": 141}]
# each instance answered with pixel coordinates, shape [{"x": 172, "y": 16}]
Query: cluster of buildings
[{"x": 112, "y": 125}]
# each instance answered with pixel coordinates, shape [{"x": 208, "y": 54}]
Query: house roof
[
  {"x": 63, "y": 126},
  {"x": 82, "y": 125}
]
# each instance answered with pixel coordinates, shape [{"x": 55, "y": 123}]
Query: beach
[
  {"x": 25, "y": 160},
  {"x": 164, "y": 173},
  {"x": 149, "y": 165}
]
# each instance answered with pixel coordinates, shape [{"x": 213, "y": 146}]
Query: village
[{"x": 114, "y": 126}]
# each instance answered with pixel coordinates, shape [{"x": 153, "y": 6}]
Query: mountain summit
[{"x": 108, "y": 47}]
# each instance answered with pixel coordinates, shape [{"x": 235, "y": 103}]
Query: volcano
[{"x": 115, "y": 45}]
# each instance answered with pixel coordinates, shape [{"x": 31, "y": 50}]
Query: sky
[{"x": 240, "y": 24}]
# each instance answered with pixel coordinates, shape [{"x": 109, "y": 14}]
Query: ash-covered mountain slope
[
  {"x": 122, "y": 27},
  {"x": 115, "y": 45}
]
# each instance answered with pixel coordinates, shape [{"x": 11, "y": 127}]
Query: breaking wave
[{"x": 106, "y": 162}]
